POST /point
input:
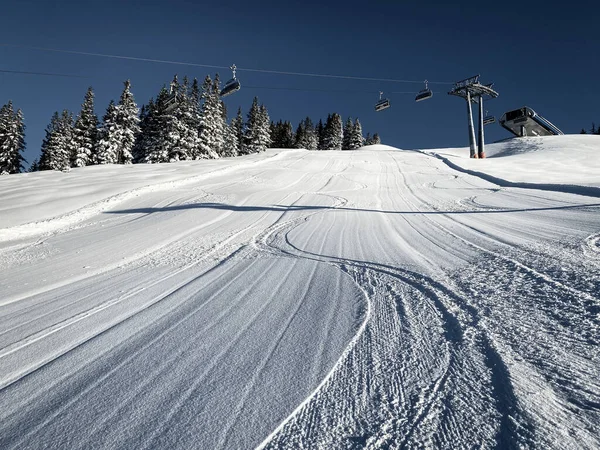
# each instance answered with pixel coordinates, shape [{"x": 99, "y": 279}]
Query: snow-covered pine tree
[
  {"x": 127, "y": 124},
  {"x": 333, "y": 133},
  {"x": 287, "y": 135},
  {"x": 57, "y": 145},
  {"x": 192, "y": 120},
  {"x": 141, "y": 142},
  {"x": 165, "y": 146},
  {"x": 257, "y": 137},
  {"x": 368, "y": 139},
  {"x": 282, "y": 135},
  {"x": 300, "y": 137},
  {"x": 48, "y": 144},
  {"x": 17, "y": 160},
  {"x": 347, "y": 134},
  {"x": 375, "y": 139},
  {"x": 12, "y": 140},
  {"x": 85, "y": 133},
  {"x": 237, "y": 126},
  {"x": 275, "y": 134},
  {"x": 230, "y": 144},
  {"x": 356, "y": 136},
  {"x": 208, "y": 125},
  {"x": 150, "y": 148},
  {"x": 185, "y": 112},
  {"x": 319, "y": 130},
  {"x": 6, "y": 113},
  {"x": 108, "y": 143},
  {"x": 251, "y": 139},
  {"x": 312, "y": 141},
  {"x": 264, "y": 130}
]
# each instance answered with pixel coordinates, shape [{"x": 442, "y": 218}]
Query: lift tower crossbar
[{"x": 473, "y": 92}]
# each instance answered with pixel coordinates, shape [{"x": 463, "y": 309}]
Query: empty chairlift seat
[
  {"x": 488, "y": 120},
  {"x": 424, "y": 94},
  {"x": 232, "y": 85},
  {"x": 382, "y": 104}
]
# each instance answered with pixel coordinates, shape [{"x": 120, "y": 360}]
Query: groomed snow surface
[{"x": 376, "y": 298}]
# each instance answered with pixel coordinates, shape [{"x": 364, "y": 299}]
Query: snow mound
[
  {"x": 378, "y": 147},
  {"x": 570, "y": 161}
]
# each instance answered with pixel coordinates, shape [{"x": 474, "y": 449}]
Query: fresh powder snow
[{"x": 374, "y": 298}]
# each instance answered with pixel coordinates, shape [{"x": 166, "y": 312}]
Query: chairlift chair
[
  {"x": 424, "y": 94},
  {"x": 382, "y": 104},
  {"x": 488, "y": 119},
  {"x": 233, "y": 85}
]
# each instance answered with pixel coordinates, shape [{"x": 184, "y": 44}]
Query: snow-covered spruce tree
[
  {"x": 368, "y": 139},
  {"x": 148, "y": 147},
  {"x": 85, "y": 133},
  {"x": 275, "y": 134},
  {"x": 46, "y": 161},
  {"x": 190, "y": 117},
  {"x": 108, "y": 144},
  {"x": 166, "y": 134},
  {"x": 6, "y": 113},
  {"x": 264, "y": 130},
  {"x": 230, "y": 144},
  {"x": 141, "y": 142},
  {"x": 210, "y": 115},
  {"x": 127, "y": 124},
  {"x": 16, "y": 159},
  {"x": 300, "y": 137},
  {"x": 347, "y": 134},
  {"x": 375, "y": 139},
  {"x": 251, "y": 140},
  {"x": 12, "y": 140},
  {"x": 177, "y": 117},
  {"x": 356, "y": 136},
  {"x": 310, "y": 133},
  {"x": 120, "y": 127},
  {"x": 237, "y": 126},
  {"x": 257, "y": 137},
  {"x": 319, "y": 130},
  {"x": 282, "y": 135},
  {"x": 287, "y": 135},
  {"x": 57, "y": 146},
  {"x": 333, "y": 133}
]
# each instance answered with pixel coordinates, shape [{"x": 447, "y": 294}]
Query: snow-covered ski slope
[{"x": 377, "y": 298}]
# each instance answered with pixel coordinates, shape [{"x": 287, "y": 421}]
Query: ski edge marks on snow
[
  {"x": 335, "y": 367},
  {"x": 588, "y": 191}
]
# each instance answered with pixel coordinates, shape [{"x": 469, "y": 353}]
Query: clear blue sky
[{"x": 539, "y": 54}]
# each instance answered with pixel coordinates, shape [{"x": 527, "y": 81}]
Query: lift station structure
[{"x": 473, "y": 92}]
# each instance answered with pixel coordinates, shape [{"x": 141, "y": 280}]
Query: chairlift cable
[
  {"x": 162, "y": 61},
  {"x": 23, "y": 72},
  {"x": 344, "y": 91}
]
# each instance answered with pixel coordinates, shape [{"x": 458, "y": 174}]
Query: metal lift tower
[{"x": 473, "y": 92}]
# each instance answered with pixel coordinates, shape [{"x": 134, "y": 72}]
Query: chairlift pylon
[
  {"x": 383, "y": 103},
  {"x": 424, "y": 94},
  {"x": 233, "y": 85}
]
